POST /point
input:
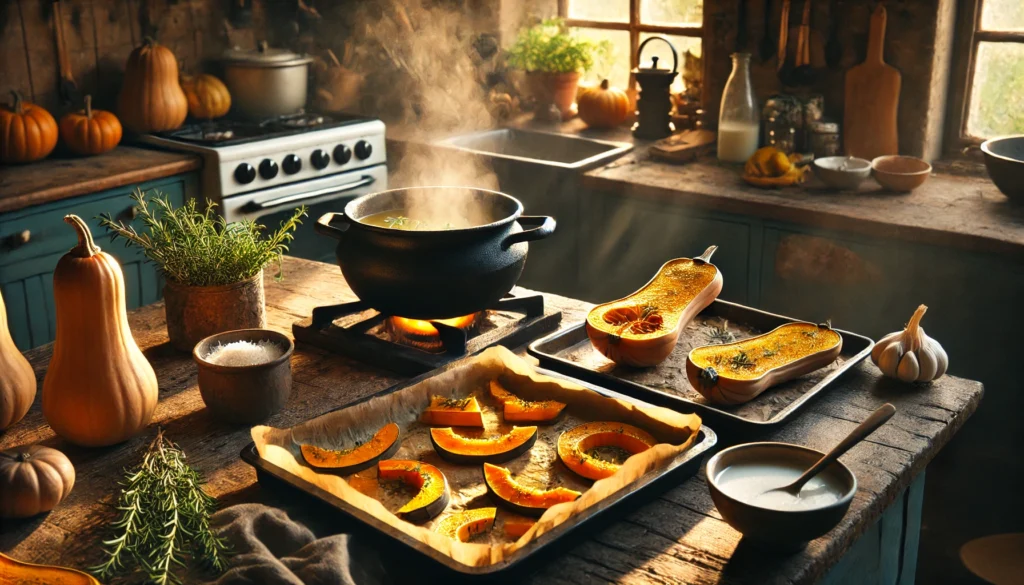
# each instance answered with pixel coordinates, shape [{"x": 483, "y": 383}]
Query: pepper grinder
[{"x": 654, "y": 105}]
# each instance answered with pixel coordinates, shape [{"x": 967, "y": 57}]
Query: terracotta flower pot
[
  {"x": 197, "y": 312},
  {"x": 554, "y": 88}
]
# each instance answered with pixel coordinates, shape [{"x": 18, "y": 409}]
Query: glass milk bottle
[{"x": 738, "y": 128}]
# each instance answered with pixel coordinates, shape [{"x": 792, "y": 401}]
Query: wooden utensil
[
  {"x": 67, "y": 89},
  {"x": 872, "y": 99},
  {"x": 783, "y": 36}
]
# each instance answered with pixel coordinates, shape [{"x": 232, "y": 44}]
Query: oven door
[{"x": 273, "y": 206}]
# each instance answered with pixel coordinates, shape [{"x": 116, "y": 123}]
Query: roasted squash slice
[
  {"x": 642, "y": 329},
  {"x": 465, "y": 524},
  {"x": 383, "y": 445},
  {"x": 574, "y": 445},
  {"x": 520, "y": 498},
  {"x": 515, "y": 409},
  {"x": 460, "y": 449},
  {"x": 515, "y": 526},
  {"x": 734, "y": 373},
  {"x": 15, "y": 572},
  {"x": 432, "y": 497},
  {"x": 453, "y": 412}
]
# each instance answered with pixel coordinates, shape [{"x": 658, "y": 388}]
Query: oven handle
[{"x": 297, "y": 197}]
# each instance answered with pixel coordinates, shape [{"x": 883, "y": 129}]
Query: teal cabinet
[{"x": 32, "y": 240}]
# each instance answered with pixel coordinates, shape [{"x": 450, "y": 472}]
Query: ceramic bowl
[
  {"x": 785, "y": 530},
  {"x": 900, "y": 173},
  {"x": 1004, "y": 159},
  {"x": 845, "y": 173},
  {"x": 245, "y": 394}
]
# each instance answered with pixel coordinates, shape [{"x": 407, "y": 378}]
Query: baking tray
[
  {"x": 416, "y": 556},
  {"x": 569, "y": 351}
]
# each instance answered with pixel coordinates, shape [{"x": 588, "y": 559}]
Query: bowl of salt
[{"x": 244, "y": 375}]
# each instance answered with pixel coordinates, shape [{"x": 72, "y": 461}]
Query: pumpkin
[
  {"x": 90, "y": 131},
  {"x": 151, "y": 100},
  {"x": 515, "y": 526},
  {"x": 603, "y": 106},
  {"x": 574, "y": 444},
  {"x": 466, "y": 524},
  {"x": 734, "y": 373},
  {"x": 453, "y": 412},
  {"x": 521, "y": 498},
  {"x": 27, "y": 132},
  {"x": 382, "y": 445},
  {"x": 432, "y": 487},
  {"x": 911, "y": 355},
  {"x": 14, "y": 571},
  {"x": 643, "y": 328},
  {"x": 207, "y": 96},
  {"x": 515, "y": 409},
  {"x": 33, "y": 479},
  {"x": 99, "y": 389},
  {"x": 17, "y": 380},
  {"x": 460, "y": 449}
]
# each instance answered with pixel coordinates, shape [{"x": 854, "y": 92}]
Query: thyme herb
[
  {"x": 741, "y": 360},
  {"x": 396, "y": 222},
  {"x": 720, "y": 334}
]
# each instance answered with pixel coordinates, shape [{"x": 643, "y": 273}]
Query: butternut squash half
[
  {"x": 15, "y": 572},
  {"x": 382, "y": 445},
  {"x": 734, "y": 373},
  {"x": 642, "y": 329}
]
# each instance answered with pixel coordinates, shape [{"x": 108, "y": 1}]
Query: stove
[{"x": 410, "y": 346}]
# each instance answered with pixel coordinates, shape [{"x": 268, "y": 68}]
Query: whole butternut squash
[
  {"x": 17, "y": 381},
  {"x": 99, "y": 389},
  {"x": 151, "y": 98}
]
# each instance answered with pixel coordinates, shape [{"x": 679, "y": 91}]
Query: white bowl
[{"x": 842, "y": 172}]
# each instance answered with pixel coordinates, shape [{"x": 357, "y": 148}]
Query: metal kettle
[{"x": 654, "y": 104}]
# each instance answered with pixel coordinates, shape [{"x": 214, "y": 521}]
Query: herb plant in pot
[{"x": 214, "y": 269}]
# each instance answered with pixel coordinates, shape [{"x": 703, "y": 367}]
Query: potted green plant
[
  {"x": 213, "y": 269},
  {"x": 553, "y": 57}
]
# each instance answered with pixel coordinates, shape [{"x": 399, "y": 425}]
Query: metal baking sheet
[
  {"x": 438, "y": 565},
  {"x": 569, "y": 351}
]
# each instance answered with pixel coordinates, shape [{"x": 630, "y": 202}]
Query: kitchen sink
[{"x": 544, "y": 148}]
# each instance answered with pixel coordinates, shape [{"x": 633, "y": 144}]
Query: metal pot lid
[{"x": 265, "y": 56}]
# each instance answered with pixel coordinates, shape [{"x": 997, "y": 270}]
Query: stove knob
[
  {"x": 291, "y": 164},
  {"x": 245, "y": 173},
  {"x": 363, "y": 150},
  {"x": 342, "y": 154},
  {"x": 268, "y": 169},
  {"x": 320, "y": 159}
]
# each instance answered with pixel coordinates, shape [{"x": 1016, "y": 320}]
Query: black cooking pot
[{"x": 434, "y": 273}]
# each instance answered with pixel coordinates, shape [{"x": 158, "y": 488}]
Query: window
[
  {"x": 627, "y": 23},
  {"x": 987, "y": 91}
]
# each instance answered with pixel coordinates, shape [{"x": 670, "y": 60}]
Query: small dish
[
  {"x": 775, "y": 528},
  {"x": 900, "y": 173},
  {"x": 1004, "y": 160},
  {"x": 845, "y": 173},
  {"x": 245, "y": 394}
]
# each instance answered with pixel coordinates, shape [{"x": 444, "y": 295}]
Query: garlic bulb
[{"x": 910, "y": 355}]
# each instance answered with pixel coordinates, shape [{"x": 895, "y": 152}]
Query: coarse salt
[{"x": 244, "y": 353}]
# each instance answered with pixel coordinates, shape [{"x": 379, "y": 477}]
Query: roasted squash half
[
  {"x": 460, "y": 449},
  {"x": 734, "y": 373},
  {"x": 432, "y": 497},
  {"x": 453, "y": 412},
  {"x": 515, "y": 526},
  {"x": 15, "y": 572},
  {"x": 642, "y": 329},
  {"x": 574, "y": 444},
  {"x": 465, "y": 524},
  {"x": 520, "y": 498},
  {"x": 515, "y": 409},
  {"x": 383, "y": 445}
]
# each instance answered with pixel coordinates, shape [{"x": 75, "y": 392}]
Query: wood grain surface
[
  {"x": 678, "y": 537},
  {"x": 872, "y": 99}
]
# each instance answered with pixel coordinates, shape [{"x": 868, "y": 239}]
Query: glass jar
[
  {"x": 738, "y": 125},
  {"x": 823, "y": 139}
]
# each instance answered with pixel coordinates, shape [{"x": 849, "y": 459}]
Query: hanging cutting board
[{"x": 872, "y": 97}]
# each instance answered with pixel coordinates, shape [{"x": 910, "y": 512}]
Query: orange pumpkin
[
  {"x": 151, "y": 99},
  {"x": 208, "y": 97},
  {"x": 90, "y": 131},
  {"x": 27, "y": 132},
  {"x": 603, "y": 106},
  {"x": 33, "y": 479}
]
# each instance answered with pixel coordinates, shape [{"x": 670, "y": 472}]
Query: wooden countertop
[
  {"x": 59, "y": 178},
  {"x": 677, "y": 537}
]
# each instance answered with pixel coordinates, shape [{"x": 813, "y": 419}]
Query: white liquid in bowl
[{"x": 749, "y": 482}]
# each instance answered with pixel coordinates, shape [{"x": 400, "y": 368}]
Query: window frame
[{"x": 635, "y": 29}]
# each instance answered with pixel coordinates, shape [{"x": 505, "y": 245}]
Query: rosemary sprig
[
  {"x": 165, "y": 519},
  {"x": 741, "y": 360},
  {"x": 720, "y": 334}
]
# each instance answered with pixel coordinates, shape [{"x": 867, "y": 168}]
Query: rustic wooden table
[{"x": 678, "y": 537}]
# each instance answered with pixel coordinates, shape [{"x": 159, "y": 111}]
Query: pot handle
[
  {"x": 545, "y": 229},
  {"x": 323, "y": 225}
]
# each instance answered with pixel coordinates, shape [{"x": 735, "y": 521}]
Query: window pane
[
  {"x": 609, "y": 10},
  {"x": 672, "y": 12},
  {"x": 997, "y": 94},
  {"x": 664, "y": 54},
  {"x": 615, "y": 65},
  {"x": 1002, "y": 15}
]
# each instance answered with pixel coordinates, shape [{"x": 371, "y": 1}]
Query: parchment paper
[{"x": 540, "y": 466}]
